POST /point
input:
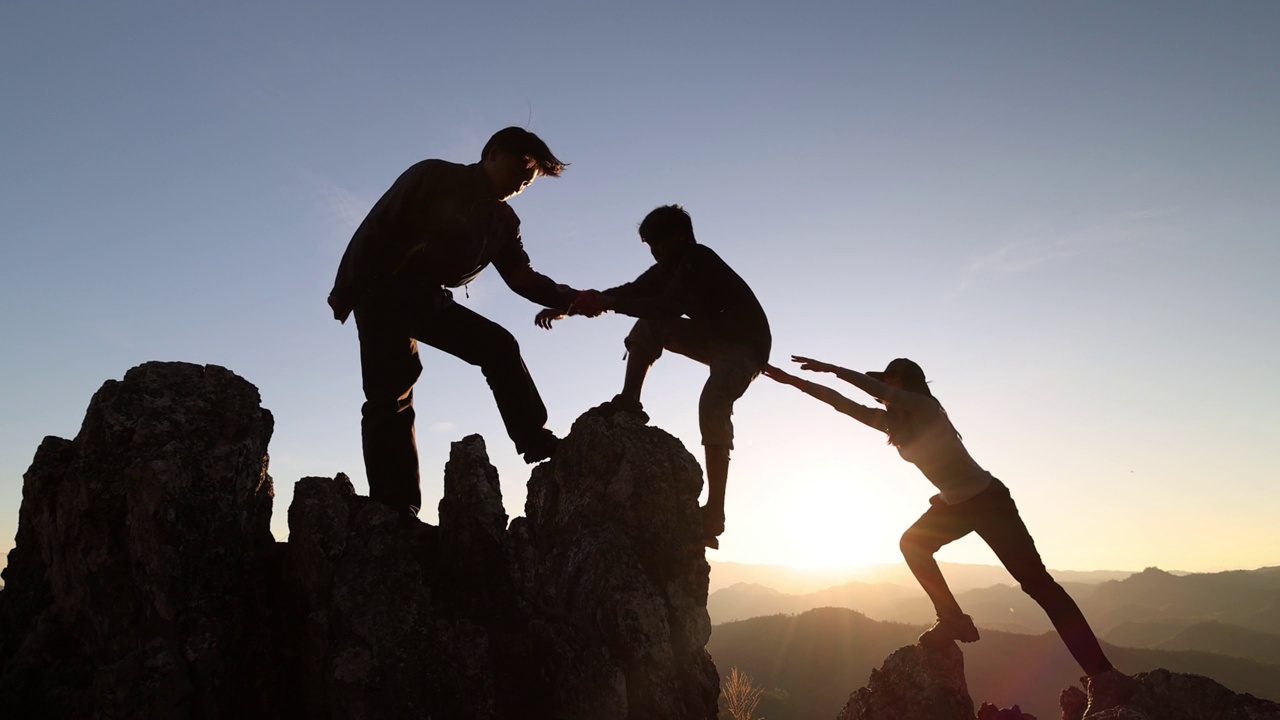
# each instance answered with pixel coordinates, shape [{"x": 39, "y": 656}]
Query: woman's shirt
[{"x": 939, "y": 453}]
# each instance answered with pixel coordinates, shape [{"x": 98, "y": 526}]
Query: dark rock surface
[
  {"x": 145, "y": 582},
  {"x": 991, "y": 712},
  {"x": 1164, "y": 695},
  {"x": 136, "y": 584},
  {"x": 914, "y": 683},
  {"x": 592, "y": 606}
]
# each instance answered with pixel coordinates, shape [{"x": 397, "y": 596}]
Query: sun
[
  {"x": 828, "y": 502},
  {"x": 832, "y": 521}
]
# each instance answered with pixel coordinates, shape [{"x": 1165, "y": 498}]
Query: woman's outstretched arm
[
  {"x": 863, "y": 382},
  {"x": 871, "y": 417}
]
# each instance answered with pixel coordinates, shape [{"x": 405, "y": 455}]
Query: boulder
[
  {"x": 914, "y": 684},
  {"x": 134, "y": 587},
  {"x": 1164, "y": 695}
]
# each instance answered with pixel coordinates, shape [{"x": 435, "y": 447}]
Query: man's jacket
[
  {"x": 438, "y": 225},
  {"x": 702, "y": 287}
]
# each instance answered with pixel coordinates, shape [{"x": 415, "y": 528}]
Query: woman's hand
[
  {"x": 814, "y": 365},
  {"x": 780, "y": 375}
]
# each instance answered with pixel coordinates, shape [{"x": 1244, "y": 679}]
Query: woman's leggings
[{"x": 993, "y": 515}]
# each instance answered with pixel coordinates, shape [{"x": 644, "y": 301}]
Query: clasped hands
[{"x": 588, "y": 303}]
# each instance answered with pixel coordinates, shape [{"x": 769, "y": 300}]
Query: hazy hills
[
  {"x": 811, "y": 662},
  {"x": 817, "y": 645},
  {"x": 961, "y": 576},
  {"x": 1235, "y": 612},
  {"x": 1245, "y": 598}
]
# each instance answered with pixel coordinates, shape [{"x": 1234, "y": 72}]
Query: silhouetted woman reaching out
[{"x": 970, "y": 499}]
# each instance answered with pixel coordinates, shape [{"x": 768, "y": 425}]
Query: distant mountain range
[
  {"x": 809, "y": 663},
  {"x": 800, "y": 581},
  {"x": 1246, "y": 598},
  {"x": 817, "y": 646},
  {"x": 1167, "y": 603}
]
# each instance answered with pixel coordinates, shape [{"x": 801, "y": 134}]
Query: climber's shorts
[{"x": 732, "y": 369}]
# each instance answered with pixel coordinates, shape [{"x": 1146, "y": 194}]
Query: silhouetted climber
[
  {"x": 437, "y": 227},
  {"x": 692, "y": 303},
  {"x": 969, "y": 500}
]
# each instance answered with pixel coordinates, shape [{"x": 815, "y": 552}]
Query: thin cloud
[
  {"x": 1022, "y": 255},
  {"x": 443, "y": 427},
  {"x": 341, "y": 208},
  {"x": 1125, "y": 231},
  {"x": 1136, "y": 215}
]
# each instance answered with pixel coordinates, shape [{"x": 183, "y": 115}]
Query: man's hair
[
  {"x": 667, "y": 222},
  {"x": 521, "y": 143}
]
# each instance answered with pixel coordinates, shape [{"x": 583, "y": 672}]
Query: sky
[{"x": 1066, "y": 213}]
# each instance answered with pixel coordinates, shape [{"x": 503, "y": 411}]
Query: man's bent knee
[
  {"x": 644, "y": 341},
  {"x": 499, "y": 347},
  {"x": 715, "y": 418},
  {"x": 387, "y": 407}
]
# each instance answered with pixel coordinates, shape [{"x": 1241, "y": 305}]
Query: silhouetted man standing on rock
[
  {"x": 692, "y": 303},
  {"x": 437, "y": 227}
]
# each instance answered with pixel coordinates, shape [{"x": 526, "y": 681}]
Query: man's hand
[
  {"x": 546, "y": 317},
  {"x": 590, "y": 303},
  {"x": 814, "y": 365},
  {"x": 341, "y": 311}
]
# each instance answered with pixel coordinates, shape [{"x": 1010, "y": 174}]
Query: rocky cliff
[
  {"x": 139, "y": 581},
  {"x": 145, "y": 582}
]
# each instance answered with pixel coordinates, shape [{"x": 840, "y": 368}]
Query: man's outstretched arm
[
  {"x": 585, "y": 303},
  {"x": 519, "y": 275},
  {"x": 655, "y": 294}
]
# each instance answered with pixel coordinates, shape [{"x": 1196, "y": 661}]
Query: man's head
[
  {"x": 513, "y": 158},
  {"x": 668, "y": 231}
]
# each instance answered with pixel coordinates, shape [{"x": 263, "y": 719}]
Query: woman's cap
[{"x": 901, "y": 368}]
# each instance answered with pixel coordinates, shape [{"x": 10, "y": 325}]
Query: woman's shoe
[{"x": 948, "y": 630}]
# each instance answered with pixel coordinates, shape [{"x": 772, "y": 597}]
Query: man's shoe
[
  {"x": 621, "y": 404},
  {"x": 1108, "y": 690},
  {"x": 541, "y": 447},
  {"x": 712, "y": 527},
  {"x": 948, "y": 630}
]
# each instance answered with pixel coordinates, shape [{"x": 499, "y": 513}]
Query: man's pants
[
  {"x": 390, "y": 329},
  {"x": 994, "y": 516},
  {"x": 732, "y": 369}
]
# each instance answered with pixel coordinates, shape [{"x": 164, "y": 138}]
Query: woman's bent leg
[{"x": 939, "y": 525}]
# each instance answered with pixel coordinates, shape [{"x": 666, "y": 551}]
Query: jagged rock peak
[
  {"x": 991, "y": 712},
  {"x": 132, "y": 587},
  {"x": 593, "y": 606},
  {"x": 914, "y": 684},
  {"x": 145, "y": 581}
]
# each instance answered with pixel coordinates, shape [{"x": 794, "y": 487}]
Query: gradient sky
[{"x": 1066, "y": 213}]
